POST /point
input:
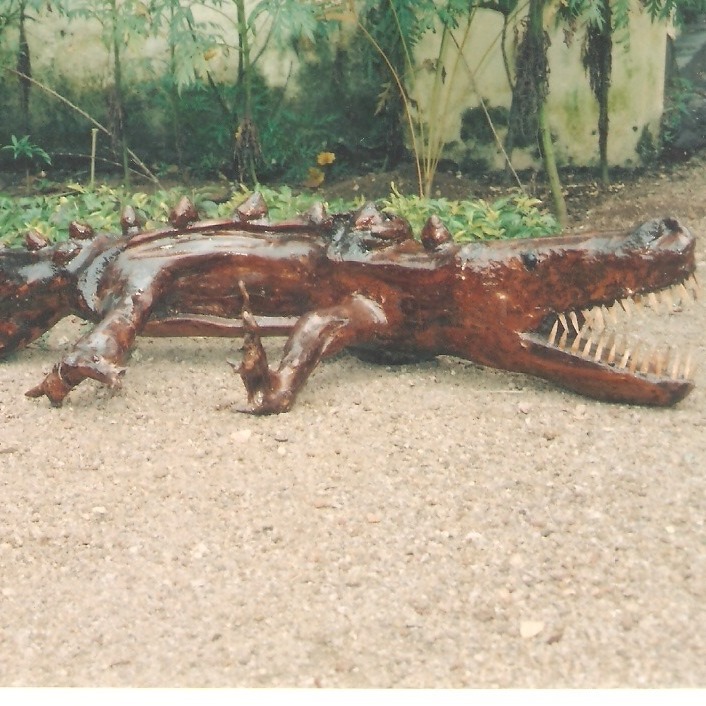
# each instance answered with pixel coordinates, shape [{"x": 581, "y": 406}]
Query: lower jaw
[{"x": 599, "y": 380}]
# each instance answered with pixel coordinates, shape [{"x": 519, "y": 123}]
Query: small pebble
[{"x": 530, "y": 628}]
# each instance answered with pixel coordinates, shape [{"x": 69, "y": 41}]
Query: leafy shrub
[
  {"x": 101, "y": 207},
  {"x": 514, "y": 216}
]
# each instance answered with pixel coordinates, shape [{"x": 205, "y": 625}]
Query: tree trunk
[
  {"x": 119, "y": 101},
  {"x": 551, "y": 169},
  {"x": 605, "y": 57},
  {"x": 246, "y": 140},
  {"x": 24, "y": 68},
  {"x": 174, "y": 97},
  {"x": 535, "y": 26}
]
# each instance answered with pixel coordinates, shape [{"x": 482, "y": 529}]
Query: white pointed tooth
[
  {"x": 688, "y": 365},
  {"x": 627, "y": 306},
  {"x": 675, "y": 365},
  {"x": 659, "y": 361},
  {"x": 610, "y": 315},
  {"x": 653, "y": 301},
  {"x": 688, "y": 295},
  {"x": 646, "y": 362},
  {"x": 632, "y": 365},
  {"x": 684, "y": 296},
  {"x": 585, "y": 332},
  {"x": 562, "y": 340},
  {"x": 563, "y": 321},
  {"x": 625, "y": 358},
  {"x": 587, "y": 348},
  {"x": 598, "y": 320},
  {"x": 587, "y": 317},
  {"x": 553, "y": 332},
  {"x": 693, "y": 285},
  {"x": 610, "y": 358},
  {"x": 574, "y": 321},
  {"x": 577, "y": 342},
  {"x": 655, "y": 360},
  {"x": 599, "y": 348},
  {"x": 666, "y": 297},
  {"x": 604, "y": 316},
  {"x": 637, "y": 301}
]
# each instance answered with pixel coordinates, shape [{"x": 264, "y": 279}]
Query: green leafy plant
[
  {"x": 284, "y": 202},
  {"x": 680, "y": 94},
  {"x": 285, "y": 21},
  {"x": 26, "y": 153},
  {"x": 23, "y": 149},
  {"x": 245, "y": 107},
  {"x": 50, "y": 215},
  {"x": 176, "y": 19},
  {"x": 514, "y": 216},
  {"x": 342, "y": 114},
  {"x": 394, "y": 28}
]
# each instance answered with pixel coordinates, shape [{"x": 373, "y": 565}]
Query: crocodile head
[{"x": 547, "y": 308}]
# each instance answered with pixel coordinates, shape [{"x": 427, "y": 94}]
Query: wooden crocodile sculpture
[{"x": 356, "y": 280}]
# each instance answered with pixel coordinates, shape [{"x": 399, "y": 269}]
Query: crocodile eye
[{"x": 529, "y": 260}]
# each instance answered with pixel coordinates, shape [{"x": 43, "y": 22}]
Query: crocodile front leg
[
  {"x": 316, "y": 335},
  {"x": 99, "y": 354}
]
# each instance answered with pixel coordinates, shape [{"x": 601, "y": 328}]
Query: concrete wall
[
  {"x": 73, "y": 49},
  {"x": 73, "y": 52},
  {"x": 636, "y": 95}
]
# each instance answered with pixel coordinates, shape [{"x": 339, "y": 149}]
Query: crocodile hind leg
[{"x": 318, "y": 334}]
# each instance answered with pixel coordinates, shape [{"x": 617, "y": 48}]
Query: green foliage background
[
  {"x": 185, "y": 117},
  {"x": 182, "y": 121},
  {"x": 510, "y": 217}
]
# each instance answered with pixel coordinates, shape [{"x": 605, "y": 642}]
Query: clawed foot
[
  {"x": 71, "y": 371},
  {"x": 263, "y": 385}
]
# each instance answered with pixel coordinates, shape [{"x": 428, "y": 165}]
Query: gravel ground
[{"x": 431, "y": 525}]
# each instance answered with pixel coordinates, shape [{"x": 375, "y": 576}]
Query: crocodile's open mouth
[{"x": 593, "y": 336}]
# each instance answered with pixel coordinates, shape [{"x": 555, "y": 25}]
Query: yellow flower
[
  {"x": 324, "y": 158},
  {"x": 314, "y": 178}
]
